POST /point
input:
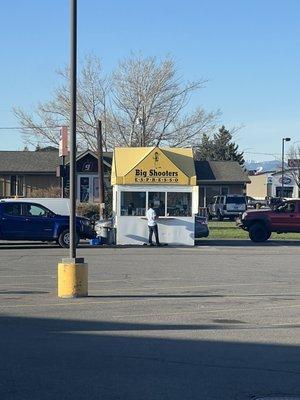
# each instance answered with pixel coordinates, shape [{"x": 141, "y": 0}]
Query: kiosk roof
[{"x": 153, "y": 165}]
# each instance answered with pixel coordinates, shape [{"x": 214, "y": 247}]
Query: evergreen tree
[
  {"x": 205, "y": 149},
  {"x": 220, "y": 148}
]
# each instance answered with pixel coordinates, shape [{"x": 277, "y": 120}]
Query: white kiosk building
[{"x": 165, "y": 177}]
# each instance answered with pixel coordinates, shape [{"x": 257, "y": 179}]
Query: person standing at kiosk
[{"x": 152, "y": 224}]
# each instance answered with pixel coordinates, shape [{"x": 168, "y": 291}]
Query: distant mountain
[{"x": 263, "y": 166}]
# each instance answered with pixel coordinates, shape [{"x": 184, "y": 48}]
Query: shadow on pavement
[{"x": 69, "y": 359}]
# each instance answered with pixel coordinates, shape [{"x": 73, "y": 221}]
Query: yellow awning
[{"x": 153, "y": 165}]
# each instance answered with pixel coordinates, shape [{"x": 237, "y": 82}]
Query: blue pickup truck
[{"x": 34, "y": 222}]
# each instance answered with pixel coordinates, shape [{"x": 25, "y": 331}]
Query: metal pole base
[{"x": 72, "y": 278}]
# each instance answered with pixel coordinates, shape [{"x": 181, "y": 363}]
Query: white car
[{"x": 227, "y": 206}]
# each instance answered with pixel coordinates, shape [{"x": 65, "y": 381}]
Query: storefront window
[
  {"x": 13, "y": 185},
  {"x": 1, "y": 187},
  {"x": 179, "y": 204},
  {"x": 20, "y": 183},
  {"x": 159, "y": 202},
  {"x": 211, "y": 191},
  {"x": 201, "y": 196},
  {"x": 287, "y": 191},
  {"x": 224, "y": 190},
  {"x": 95, "y": 189},
  {"x": 84, "y": 189},
  {"x": 133, "y": 203}
]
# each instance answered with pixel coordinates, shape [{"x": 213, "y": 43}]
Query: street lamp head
[{"x": 287, "y": 139}]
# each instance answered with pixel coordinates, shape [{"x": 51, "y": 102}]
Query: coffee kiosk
[{"x": 165, "y": 177}]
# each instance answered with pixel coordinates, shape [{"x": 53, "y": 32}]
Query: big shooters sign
[
  {"x": 155, "y": 176},
  {"x": 156, "y": 168}
]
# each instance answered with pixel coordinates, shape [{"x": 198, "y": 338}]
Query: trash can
[
  {"x": 111, "y": 236},
  {"x": 106, "y": 232},
  {"x": 201, "y": 228}
]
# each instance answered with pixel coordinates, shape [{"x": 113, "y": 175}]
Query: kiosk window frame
[
  {"x": 157, "y": 197},
  {"x": 130, "y": 206},
  {"x": 130, "y": 203},
  {"x": 173, "y": 213}
]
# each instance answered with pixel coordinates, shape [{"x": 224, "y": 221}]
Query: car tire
[
  {"x": 64, "y": 239},
  {"x": 259, "y": 233},
  {"x": 219, "y": 216}
]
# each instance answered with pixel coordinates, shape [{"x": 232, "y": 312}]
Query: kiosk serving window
[
  {"x": 179, "y": 204},
  {"x": 171, "y": 204},
  {"x": 159, "y": 202},
  {"x": 133, "y": 203}
]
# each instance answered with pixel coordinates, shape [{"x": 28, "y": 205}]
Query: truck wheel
[
  {"x": 64, "y": 239},
  {"x": 220, "y": 216},
  {"x": 259, "y": 233}
]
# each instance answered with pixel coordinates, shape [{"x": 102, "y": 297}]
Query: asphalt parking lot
[{"x": 218, "y": 321}]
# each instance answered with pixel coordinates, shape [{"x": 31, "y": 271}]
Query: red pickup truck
[{"x": 261, "y": 223}]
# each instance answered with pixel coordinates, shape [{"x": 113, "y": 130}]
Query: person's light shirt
[{"x": 151, "y": 216}]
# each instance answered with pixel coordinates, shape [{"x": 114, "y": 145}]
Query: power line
[
  {"x": 30, "y": 127},
  {"x": 265, "y": 154}
]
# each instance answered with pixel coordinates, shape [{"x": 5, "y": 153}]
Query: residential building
[
  {"x": 22, "y": 172},
  {"x": 269, "y": 184},
  {"x": 219, "y": 178}
]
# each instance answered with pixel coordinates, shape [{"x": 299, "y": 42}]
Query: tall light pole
[
  {"x": 287, "y": 139},
  {"x": 73, "y": 87},
  {"x": 72, "y": 274}
]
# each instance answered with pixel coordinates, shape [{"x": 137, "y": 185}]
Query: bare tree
[
  {"x": 92, "y": 94},
  {"x": 143, "y": 103},
  {"x": 148, "y": 104},
  {"x": 294, "y": 164}
]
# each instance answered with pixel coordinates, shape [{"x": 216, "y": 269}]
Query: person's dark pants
[{"x": 153, "y": 229}]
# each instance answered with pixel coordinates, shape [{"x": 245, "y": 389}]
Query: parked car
[
  {"x": 261, "y": 223},
  {"x": 256, "y": 203},
  {"x": 201, "y": 228},
  {"x": 227, "y": 206},
  {"x": 25, "y": 220}
]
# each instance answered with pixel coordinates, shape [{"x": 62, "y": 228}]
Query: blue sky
[{"x": 249, "y": 51}]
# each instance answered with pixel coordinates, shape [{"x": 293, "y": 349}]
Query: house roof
[
  {"x": 28, "y": 161},
  {"x": 220, "y": 172},
  {"x": 107, "y": 156},
  {"x": 36, "y": 161}
]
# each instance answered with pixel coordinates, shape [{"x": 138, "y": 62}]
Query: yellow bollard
[{"x": 72, "y": 278}]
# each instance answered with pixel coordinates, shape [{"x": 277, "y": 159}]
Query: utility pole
[
  {"x": 63, "y": 178},
  {"x": 100, "y": 170}
]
